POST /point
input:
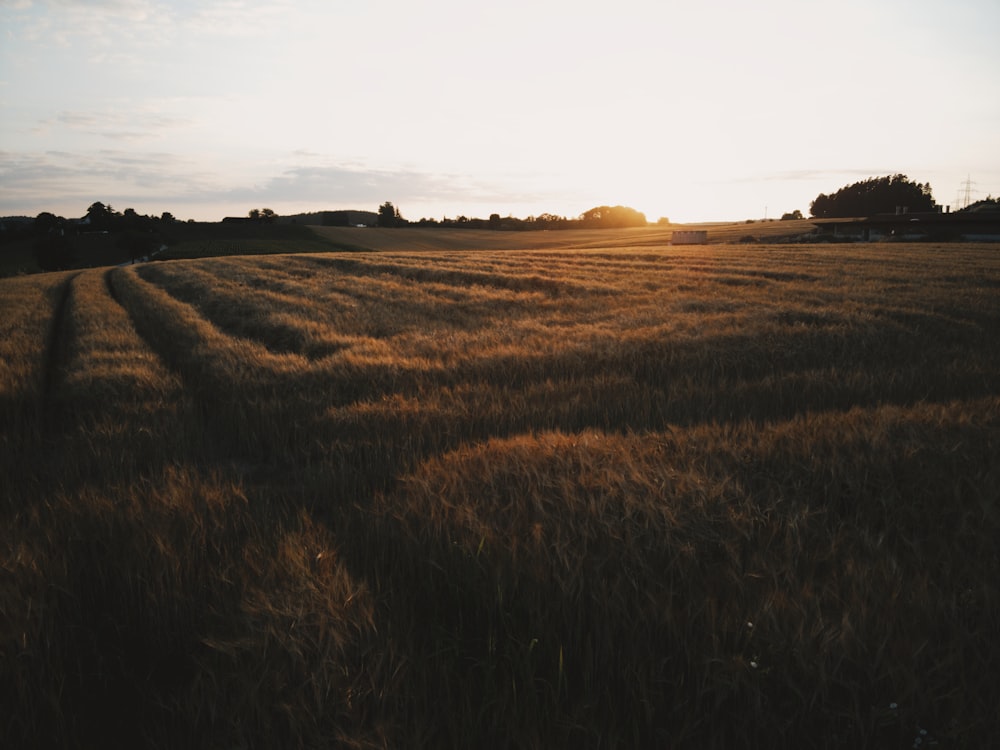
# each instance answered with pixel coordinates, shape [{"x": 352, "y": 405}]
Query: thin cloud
[
  {"x": 358, "y": 185},
  {"x": 61, "y": 180},
  {"x": 103, "y": 23},
  {"x": 138, "y": 23},
  {"x": 237, "y": 19},
  {"x": 133, "y": 126},
  {"x": 67, "y": 182}
]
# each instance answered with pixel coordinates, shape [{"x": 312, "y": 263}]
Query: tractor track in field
[
  {"x": 114, "y": 293},
  {"x": 141, "y": 328},
  {"x": 152, "y": 342},
  {"x": 56, "y": 347},
  {"x": 202, "y": 409}
]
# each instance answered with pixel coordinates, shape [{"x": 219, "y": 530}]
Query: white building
[{"x": 689, "y": 237}]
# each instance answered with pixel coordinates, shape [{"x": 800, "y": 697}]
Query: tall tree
[
  {"x": 389, "y": 216},
  {"x": 100, "y": 215}
]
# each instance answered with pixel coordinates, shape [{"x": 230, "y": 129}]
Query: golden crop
[{"x": 635, "y": 497}]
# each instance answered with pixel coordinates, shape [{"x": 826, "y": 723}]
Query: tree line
[
  {"x": 599, "y": 217},
  {"x": 56, "y": 244},
  {"x": 876, "y": 195},
  {"x": 136, "y": 235}
]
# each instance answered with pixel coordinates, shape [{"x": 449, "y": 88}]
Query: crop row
[{"x": 359, "y": 336}]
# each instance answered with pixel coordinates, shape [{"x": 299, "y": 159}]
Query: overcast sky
[{"x": 691, "y": 110}]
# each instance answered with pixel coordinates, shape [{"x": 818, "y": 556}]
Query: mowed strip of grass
[{"x": 700, "y": 497}]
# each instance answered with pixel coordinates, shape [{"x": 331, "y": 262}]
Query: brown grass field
[{"x": 600, "y": 494}]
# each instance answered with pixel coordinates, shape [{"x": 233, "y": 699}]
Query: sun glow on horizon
[{"x": 687, "y": 112}]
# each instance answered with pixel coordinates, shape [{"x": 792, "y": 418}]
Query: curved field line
[
  {"x": 28, "y": 308},
  {"x": 290, "y": 320},
  {"x": 254, "y": 405},
  {"x": 230, "y": 373},
  {"x": 192, "y": 345},
  {"x": 328, "y": 311},
  {"x": 30, "y": 317},
  {"x": 58, "y": 344},
  {"x": 107, "y": 361},
  {"x": 524, "y": 281},
  {"x": 117, "y": 410}
]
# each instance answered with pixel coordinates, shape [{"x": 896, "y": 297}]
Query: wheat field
[{"x": 631, "y": 496}]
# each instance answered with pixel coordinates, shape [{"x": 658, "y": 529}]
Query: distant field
[
  {"x": 216, "y": 239},
  {"x": 570, "y": 495},
  {"x": 186, "y": 240},
  {"x": 183, "y": 239},
  {"x": 431, "y": 238}
]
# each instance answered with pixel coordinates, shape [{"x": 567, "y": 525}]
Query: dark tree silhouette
[
  {"x": 389, "y": 216},
  {"x": 101, "y": 216},
  {"x": 47, "y": 222},
  {"x": 877, "y": 195}
]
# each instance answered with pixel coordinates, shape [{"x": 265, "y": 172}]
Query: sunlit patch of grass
[
  {"x": 28, "y": 304},
  {"x": 106, "y": 361}
]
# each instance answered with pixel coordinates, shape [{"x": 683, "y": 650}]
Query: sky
[{"x": 695, "y": 111}]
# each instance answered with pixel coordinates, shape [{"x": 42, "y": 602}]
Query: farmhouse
[
  {"x": 970, "y": 227},
  {"x": 333, "y": 219},
  {"x": 689, "y": 237}
]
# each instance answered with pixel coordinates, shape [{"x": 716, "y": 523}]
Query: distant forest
[{"x": 877, "y": 195}]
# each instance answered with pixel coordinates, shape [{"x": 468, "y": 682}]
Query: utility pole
[{"x": 968, "y": 191}]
